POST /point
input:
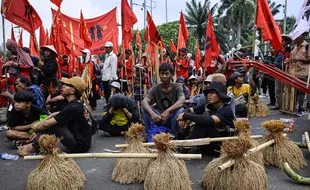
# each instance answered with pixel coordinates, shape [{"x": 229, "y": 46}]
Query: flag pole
[{"x": 4, "y": 48}]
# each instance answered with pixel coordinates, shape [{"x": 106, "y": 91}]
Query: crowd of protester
[{"x": 187, "y": 102}]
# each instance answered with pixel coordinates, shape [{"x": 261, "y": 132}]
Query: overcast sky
[{"x": 93, "y": 8}]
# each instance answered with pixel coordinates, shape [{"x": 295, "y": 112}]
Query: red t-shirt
[
  {"x": 122, "y": 73},
  {"x": 229, "y": 65},
  {"x": 182, "y": 70}
]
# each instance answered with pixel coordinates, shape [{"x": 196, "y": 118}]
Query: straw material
[
  {"x": 244, "y": 174},
  {"x": 257, "y": 108},
  {"x": 132, "y": 170},
  {"x": 166, "y": 172},
  {"x": 244, "y": 131},
  {"x": 283, "y": 150},
  {"x": 55, "y": 172}
]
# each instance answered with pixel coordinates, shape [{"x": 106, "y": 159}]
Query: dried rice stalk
[
  {"x": 244, "y": 130},
  {"x": 283, "y": 150},
  {"x": 166, "y": 172},
  {"x": 244, "y": 174},
  {"x": 257, "y": 109},
  {"x": 54, "y": 172},
  {"x": 132, "y": 170}
]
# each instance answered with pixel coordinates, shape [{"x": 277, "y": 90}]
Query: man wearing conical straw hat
[{"x": 70, "y": 124}]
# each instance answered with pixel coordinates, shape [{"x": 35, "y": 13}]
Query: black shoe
[
  {"x": 275, "y": 108},
  {"x": 270, "y": 104}
]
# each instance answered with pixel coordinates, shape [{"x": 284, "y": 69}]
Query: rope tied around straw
[
  {"x": 236, "y": 148},
  {"x": 162, "y": 142},
  {"x": 48, "y": 144},
  {"x": 135, "y": 132}
]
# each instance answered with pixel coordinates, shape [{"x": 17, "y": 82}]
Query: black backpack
[{"x": 93, "y": 123}]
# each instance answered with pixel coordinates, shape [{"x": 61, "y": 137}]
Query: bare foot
[{"x": 25, "y": 150}]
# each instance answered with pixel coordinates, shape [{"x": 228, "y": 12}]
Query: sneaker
[{"x": 299, "y": 113}]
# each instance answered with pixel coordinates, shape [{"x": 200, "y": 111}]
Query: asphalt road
[{"x": 14, "y": 174}]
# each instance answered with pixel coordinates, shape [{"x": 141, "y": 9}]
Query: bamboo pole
[
  {"x": 307, "y": 140},
  {"x": 116, "y": 155},
  {"x": 157, "y": 64},
  {"x": 192, "y": 142},
  {"x": 4, "y": 48},
  {"x": 231, "y": 162}
]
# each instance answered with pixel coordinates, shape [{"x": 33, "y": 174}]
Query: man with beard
[{"x": 169, "y": 99}]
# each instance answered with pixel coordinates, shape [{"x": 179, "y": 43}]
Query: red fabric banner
[
  {"x": 101, "y": 29},
  {"x": 172, "y": 47},
  {"x": 57, "y": 2},
  {"x": 12, "y": 34},
  {"x": 128, "y": 20},
  {"x": 84, "y": 34},
  {"x": 198, "y": 57},
  {"x": 42, "y": 35},
  {"x": 20, "y": 40},
  {"x": 267, "y": 24},
  {"x": 138, "y": 39},
  {"x": 181, "y": 40},
  {"x": 211, "y": 43},
  {"x": 183, "y": 27},
  {"x": 21, "y": 13},
  {"x": 33, "y": 48},
  {"x": 152, "y": 30}
]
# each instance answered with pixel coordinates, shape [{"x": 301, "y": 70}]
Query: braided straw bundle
[
  {"x": 244, "y": 174},
  {"x": 132, "y": 170},
  {"x": 54, "y": 172},
  {"x": 166, "y": 172},
  {"x": 283, "y": 150}
]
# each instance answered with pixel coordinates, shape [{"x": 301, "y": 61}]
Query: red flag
[
  {"x": 84, "y": 35},
  {"x": 183, "y": 27},
  {"x": 172, "y": 47},
  {"x": 42, "y": 35},
  {"x": 21, "y": 13},
  {"x": 12, "y": 33},
  {"x": 33, "y": 46},
  {"x": 20, "y": 40},
  {"x": 198, "y": 57},
  {"x": 46, "y": 38},
  {"x": 73, "y": 63},
  {"x": 153, "y": 32},
  {"x": 181, "y": 41},
  {"x": 101, "y": 30},
  {"x": 211, "y": 43},
  {"x": 267, "y": 24},
  {"x": 57, "y": 2},
  {"x": 128, "y": 20},
  {"x": 146, "y": 35},
  {"x": 138, "y": 39}
]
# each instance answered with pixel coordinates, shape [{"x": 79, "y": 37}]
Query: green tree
[{"x": 290, "y": 22}]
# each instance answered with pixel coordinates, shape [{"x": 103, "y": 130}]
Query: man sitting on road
[
  {"x": 211, "y": 120},
  {"x": 169, "y": 99},
  {"x": 22, "y": 117},
  {"x": 71, "y": 123}
]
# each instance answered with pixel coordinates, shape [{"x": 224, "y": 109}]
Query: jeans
[{"x": 171, "y": 121}]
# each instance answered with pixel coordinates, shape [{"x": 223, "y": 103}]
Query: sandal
[{"x": 18, "y": 143}]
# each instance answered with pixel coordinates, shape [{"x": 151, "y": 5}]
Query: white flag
[{"x": 303, "y": 20}]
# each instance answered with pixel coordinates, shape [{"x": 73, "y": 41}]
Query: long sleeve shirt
[{"x": 109, "y": 70}]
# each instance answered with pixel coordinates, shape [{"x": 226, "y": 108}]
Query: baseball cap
[
  {"x": 77, "y": 82},
  {"x": 108, "y": 44},
  {"x": 85, "y": 51},
  {"x": 209, "y": 78},
  {"x": 116, "y": 85}
]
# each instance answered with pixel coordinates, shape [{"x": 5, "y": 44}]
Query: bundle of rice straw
[
  {"x": 257, "y": 108},
  {"x": 55, "y": 172},
  {"x": 244, "y": 174},
  {"x": 283, "y": 150},
  {"x": 132, "y": 170},
  {"x": 166, "y": 172},
  {"x": 244, "y": 130}
]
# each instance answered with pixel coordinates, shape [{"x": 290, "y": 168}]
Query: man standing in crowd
[
  {"x": 70, "y": 123},
  {"x": 280, "y": 57},
  {"x": 169, "y": 99},
  {"x": 182, "y": 65},
  {"x": 109, "y": 70},
  {"x": 300, "y": 63}
]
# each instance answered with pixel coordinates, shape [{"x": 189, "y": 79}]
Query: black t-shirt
[
  {"x": 17, "y": 118},
  {"x": 225, "y": 115},
  {"x": 73, "y": 116}
]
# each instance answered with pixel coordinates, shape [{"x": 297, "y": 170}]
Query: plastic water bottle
[{"x": 6, "y": 156}]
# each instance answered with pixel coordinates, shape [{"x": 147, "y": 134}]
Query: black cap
[
  {"x": 184, "y": 49},
  {"x": 221, "y": 90},
  {"x": 127, "y": 51},
  {"x": 236, "y": 75},
  {"x": 26, "y": 49}
]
